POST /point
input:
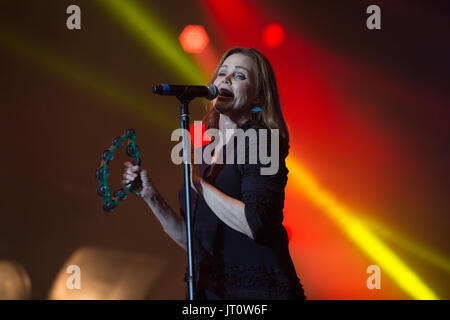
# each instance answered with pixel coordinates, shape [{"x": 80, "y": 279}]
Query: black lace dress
[{"x": 227, "y": 263}]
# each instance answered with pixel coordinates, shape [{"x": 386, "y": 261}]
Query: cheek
[
  {"x": 240, "y": 102},
  {"x": 242, "y": 93}
]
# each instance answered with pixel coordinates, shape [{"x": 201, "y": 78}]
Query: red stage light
[
  {"x": 273, "y": 35},
  {"x": 194, "y": 39},
  {"x": 198, "y": 128}
]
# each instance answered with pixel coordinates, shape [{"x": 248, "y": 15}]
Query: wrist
[{"x": 150, "y": 197}]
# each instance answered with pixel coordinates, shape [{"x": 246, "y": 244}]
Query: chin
[{"x": 223, "y": 108}]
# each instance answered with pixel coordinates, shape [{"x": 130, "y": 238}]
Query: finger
[
  {"x": 132, "y": 176},
  {"x": 129, "y": 171},
  {"x": 129, "y": 176},
  {"x": 133, "y": 169}
]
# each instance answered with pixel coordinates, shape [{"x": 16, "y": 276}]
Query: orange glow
[{"x": 194, "y": 39}]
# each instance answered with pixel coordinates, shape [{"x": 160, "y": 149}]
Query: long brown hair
[{"x": 270, "y": 116}]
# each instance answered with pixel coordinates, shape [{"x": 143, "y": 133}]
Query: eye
[
  {"x": 240, "y": 76},
  {"x": 221, "y": 74}
]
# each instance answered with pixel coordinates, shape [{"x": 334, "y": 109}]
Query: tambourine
[{"x": 109, "y": 201}]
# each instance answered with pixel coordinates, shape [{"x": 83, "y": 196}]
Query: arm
[
  {"x": 231, "y": 211},
  {"x": 171, "y": 223}
]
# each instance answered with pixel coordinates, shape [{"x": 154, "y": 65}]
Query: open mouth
[{"x": 225, "y": 94}]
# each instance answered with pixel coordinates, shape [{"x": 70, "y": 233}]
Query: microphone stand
[
  {"x": 184, "y": 112},
  {"x": 185, "y": 94}
]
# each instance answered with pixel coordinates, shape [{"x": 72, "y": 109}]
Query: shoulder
[
  {"x": 264, "y": 155},
  {"x": 269, "y": 139}
]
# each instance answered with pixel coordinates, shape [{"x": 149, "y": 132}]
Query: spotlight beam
[
  {"x": 155, "y": 36},
  {"x": 362, "y": 236},
  {"x": 427, "y": 254},
  {"x": 85, "y": 79}
]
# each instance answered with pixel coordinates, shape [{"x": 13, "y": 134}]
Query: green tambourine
[{"x": 101, "y": 173}]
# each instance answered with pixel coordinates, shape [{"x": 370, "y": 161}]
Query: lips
[{"x": 225, "y": 93}]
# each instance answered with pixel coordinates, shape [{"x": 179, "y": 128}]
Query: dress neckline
[{"x": 208, "y": 168}]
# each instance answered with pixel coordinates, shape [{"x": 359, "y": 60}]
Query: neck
[{"x": 225, "y": 122}]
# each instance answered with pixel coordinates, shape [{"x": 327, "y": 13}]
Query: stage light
[
  {"x": 194, "y": 39},
  {"x": 108, "y": 275},
  {"x": 273, "y": 35},
  {"x": 198, "y": 128},
  {"x": 15, "y": 283},
  {"x": 428, "y": 254},
  {"x": 151, "y": 30}
]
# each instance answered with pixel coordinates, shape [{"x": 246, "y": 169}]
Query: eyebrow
[{"x": 237, "y": 67}]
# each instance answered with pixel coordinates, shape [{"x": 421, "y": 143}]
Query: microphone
[{"x": 187, "y": 92}]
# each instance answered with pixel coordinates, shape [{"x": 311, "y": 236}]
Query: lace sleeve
[{"x": 263, "y": 196}]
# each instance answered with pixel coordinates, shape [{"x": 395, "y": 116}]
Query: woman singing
[{"x": 240, "y": 245}]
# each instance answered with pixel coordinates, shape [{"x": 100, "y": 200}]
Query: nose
[{"x": 226, "y": 79}]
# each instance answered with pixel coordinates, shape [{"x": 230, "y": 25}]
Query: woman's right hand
[{"x": 139, "y": 178}]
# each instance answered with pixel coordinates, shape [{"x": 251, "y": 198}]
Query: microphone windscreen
[{"x": 213, "y": 92}]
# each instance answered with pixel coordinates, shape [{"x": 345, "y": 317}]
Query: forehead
[{"x": 238, "y": 59}]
